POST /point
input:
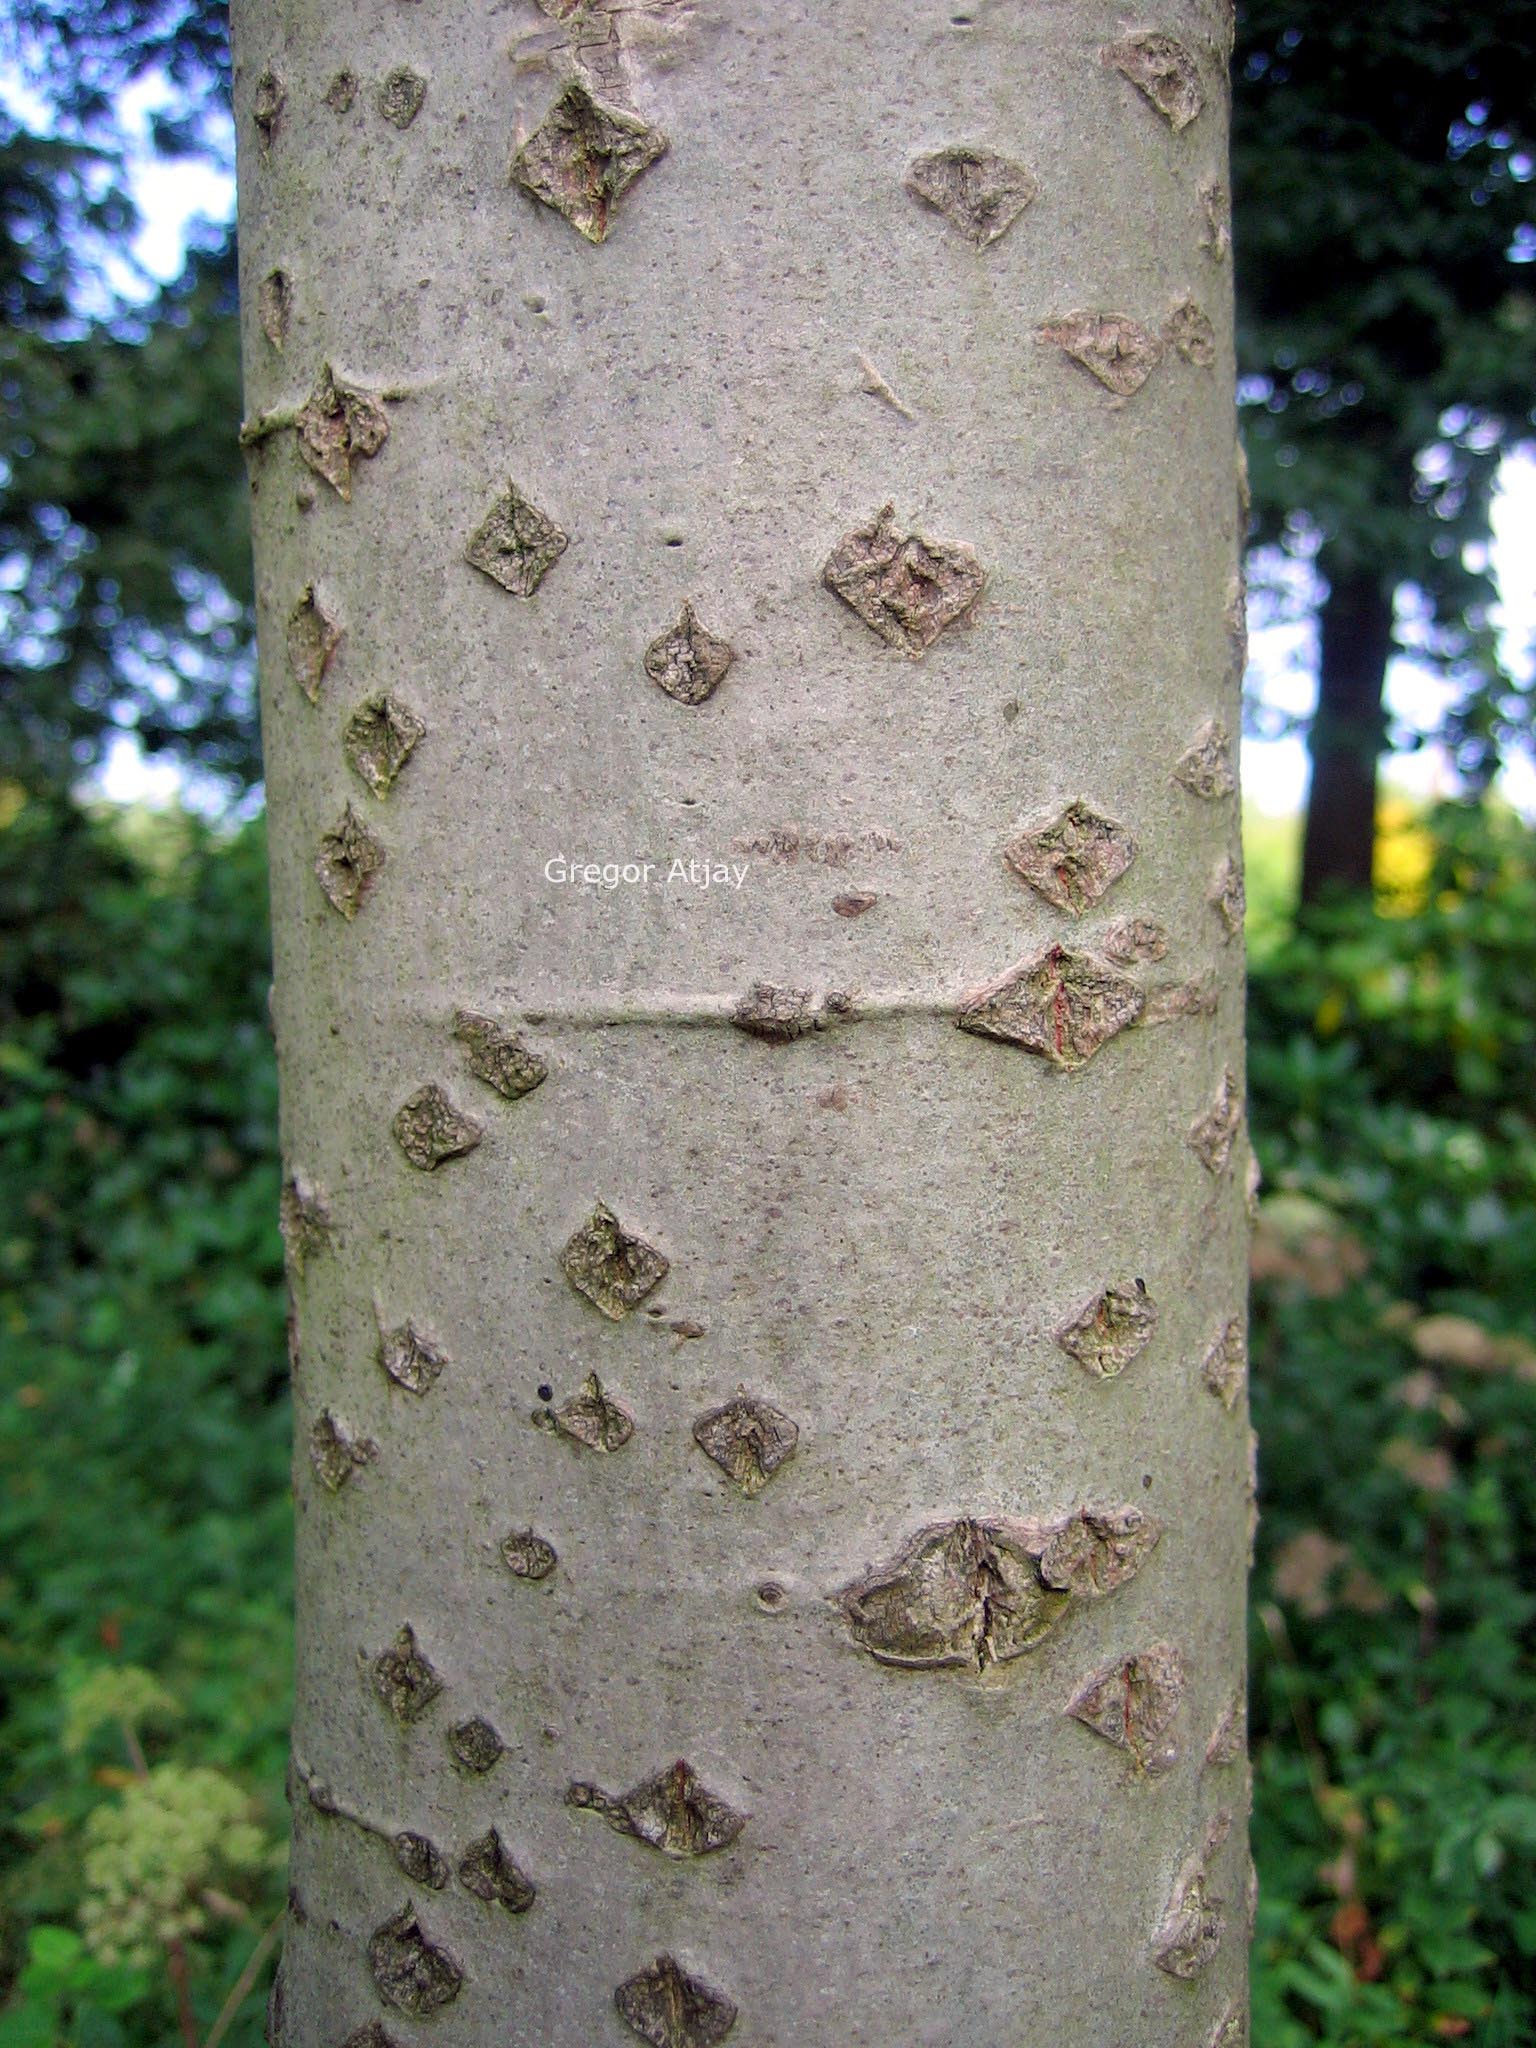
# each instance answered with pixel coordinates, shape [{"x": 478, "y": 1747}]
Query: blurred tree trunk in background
[
  {"x": 1348, "y": 732},
  {"x": 771, "y": 1480}
]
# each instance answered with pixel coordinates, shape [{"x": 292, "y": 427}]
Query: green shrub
[{"x": 1394, "y": 1353}]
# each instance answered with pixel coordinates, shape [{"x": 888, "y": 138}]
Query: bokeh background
[{"x": 1385, "y": 222}]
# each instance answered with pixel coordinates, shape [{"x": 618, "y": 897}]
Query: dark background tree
[
  {"x": 1382, "y": 159},
  {"x": 1387, "y": 344},
  {"x": 124, "y": 561}
]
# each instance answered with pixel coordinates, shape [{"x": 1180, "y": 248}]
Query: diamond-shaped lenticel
[{"x": 612, "y": 1267}]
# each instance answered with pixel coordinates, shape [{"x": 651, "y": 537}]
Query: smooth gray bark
[{"x": 858, "y": 1521}]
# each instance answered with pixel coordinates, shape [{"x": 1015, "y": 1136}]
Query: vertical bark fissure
[{"x": 728, "y": 1394}]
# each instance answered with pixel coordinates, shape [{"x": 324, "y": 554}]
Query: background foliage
[
  {"x": 144, "y": 1513},
  {"x": 143, "y": 1435}
]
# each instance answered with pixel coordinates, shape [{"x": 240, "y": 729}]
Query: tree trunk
[
  {"x": 771, "y": 1478},
  {"x": 1347, "y": 733}
]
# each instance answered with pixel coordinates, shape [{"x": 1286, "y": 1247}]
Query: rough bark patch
[
  {"x": 476, "y": 1745},
  {"x": 688, "y": 662},
  {"x": 1073, "y": 859},
  {"x": 488, "y": 1870},
  {"x": 1191, "y": 1928},
  {"x": 1229, "y": 1738},
  {"x": 428, "y": 1129},
  {"x": 1190, "y": 334},
  {"x": 1227, "y": 896},
  {"x": 341, "y": 92},
  {"x": 304, "y": 1220},
  {"x": 348, "y": 859},
  {"x": 1163, "y": 71},
  {"x": 267, "y": 104},
  {"x": 584, "y": 156},
  {"x": 782, "y": 1015},
  {"x": 1205, "y": 766},
  {"x": 1211, "y": 1135},
  {"x": 1231, "y": 2030},
  {"x": 1235, "y": 615},
  {"x": 1135, "y": 938},
  {"x": 339, "y": 424},
  {"x": 1225, "y": 1367},
  {"x": 1115, "y": 1327},
  {"x": 411, "y": 1360},
  {"x": 589, "y": 1418},
  {"x": 613, "y": 1268},
  {"x": 335, "y": 1455},
  {"x": 1097, "y": 1550},
  {"x": 380, "y": 737},
  {"x": 1110, "y": 346},
  {"x": 748, "y": 1439},
  {"x": 274, "y": 306},
  {"x": 1215, "y": 220},
  {"x": 401, "y": 96},
  {"x": 1062, "y": 1006},
  {"x": 421, "y": 1860},
  {"x": 404, "y": 1680},
  {"x": 410, "y": 1969},
  {"x": 674, "y": 1812},
  {"x": 978, "y": 192},
  {"x": 1132, "y": 1704},
  {"x": 960, "y": 1593},
  {"x": 515, "y": 544},
  {"x": 1167, "y": 1000},
  {"x": 784, "y": 845},
  {"x": 904, "y": 587},
  {"x": 497, "y": 1056},
  {"x": 666, "y": 2006},
  {"x": 314, "y": 634},
  {"x": 528, "y": 1556}
]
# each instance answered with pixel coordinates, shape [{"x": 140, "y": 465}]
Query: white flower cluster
[{"x": 151, "y": 1854}]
